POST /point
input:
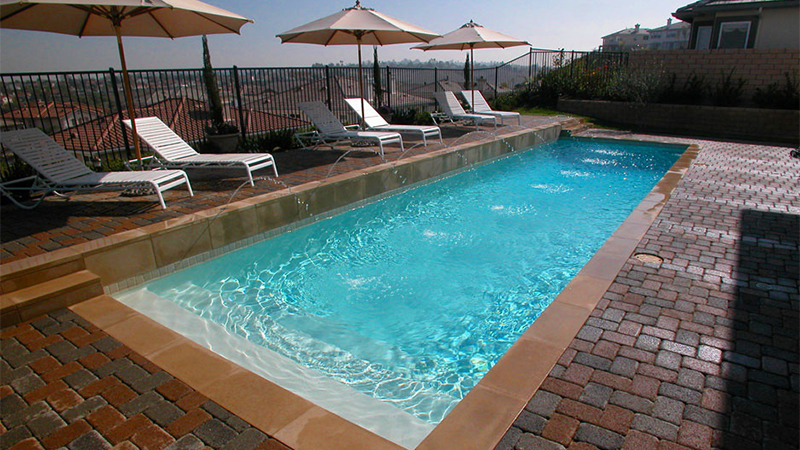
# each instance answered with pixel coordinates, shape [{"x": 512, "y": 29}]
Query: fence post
[
  {"x": 530, "y": 63},
  {"x": 435, "y": 79},
  {"x": 388, "y": 88},
  {"x": 242, "y": 125},
  {"x": 496, "y": 80},
  {"x": 119, "y": 112},
  {"x": 328, "y": 85}
]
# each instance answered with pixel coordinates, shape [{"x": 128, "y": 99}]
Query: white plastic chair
[
  {"x": 171, "y": 151},
  {"x": 452, "y": 109},
  {"x": 481, "y": 106},
  {"x": 330, "y": 130},
  {"x": 58, "y": 171},
  {"x": 375, "y": 121}
]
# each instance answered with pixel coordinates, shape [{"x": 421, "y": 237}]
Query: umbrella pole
[
  {"x": 472, "y": 75},
  {"x": 361, "y": 84},
  {"x": 128, "y": 96}
]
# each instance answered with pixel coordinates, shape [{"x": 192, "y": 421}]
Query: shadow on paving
[{"x": 761, "y": 373}]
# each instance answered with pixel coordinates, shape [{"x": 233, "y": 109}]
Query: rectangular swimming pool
[{"x": 390, "y": 313}]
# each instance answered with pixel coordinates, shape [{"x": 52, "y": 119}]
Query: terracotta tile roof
[
  {"x": 52, "y": 110},
  {"x": 186, "y": 116}
]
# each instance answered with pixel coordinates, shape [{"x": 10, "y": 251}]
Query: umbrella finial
[{"x": 471, "y": 24}]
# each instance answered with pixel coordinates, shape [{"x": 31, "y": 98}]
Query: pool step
[
  {"x": 573, "y": 126},
  {"x": 29, "y": 302}
]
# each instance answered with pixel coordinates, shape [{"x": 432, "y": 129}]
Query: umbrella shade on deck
[
  {"x": 356, "y": 26},
  {"x": 469, "y": 37},
  {"x": 144, "y": 18}
]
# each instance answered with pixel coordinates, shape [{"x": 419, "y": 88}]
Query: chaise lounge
[
  {"x": 481, "y": 106},
  {"x": 330, "y": 130},
  {"x": 376, "y": 122},
  {"x": 58, "y": 171},
  {"x": 453, "y": 111},
  {"x": 171, "y": 151}
]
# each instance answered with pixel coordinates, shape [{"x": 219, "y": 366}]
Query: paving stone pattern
[
  {"x": 59, "y": 223},
  {"x": 700, "y": 352},
  {"x": 68, "y": 385}
]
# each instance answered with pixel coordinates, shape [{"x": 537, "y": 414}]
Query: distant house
[
  {"x": 629, "y": 39},
  {"x": 50, "y": 116},
  {"x": 742, "y": 23},
  {"x": 671, "y": 36}
]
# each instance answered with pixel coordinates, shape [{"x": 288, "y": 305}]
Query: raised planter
[
  {"x": 225, "y": 143},
  {"x": 752, "y": 124}
]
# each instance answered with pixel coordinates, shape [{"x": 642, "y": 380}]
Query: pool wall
[{"x": 162, "y": 248}]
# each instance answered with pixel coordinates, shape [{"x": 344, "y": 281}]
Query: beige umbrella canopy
[
  {"x": 150, "y": 18},
  {"x": 471, "y": 36},
  {"x": 357, "y": 25}
]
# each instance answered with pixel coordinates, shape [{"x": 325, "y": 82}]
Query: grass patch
[{"x": 539, "y": 111}]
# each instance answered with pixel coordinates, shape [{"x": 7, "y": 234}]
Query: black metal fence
[{"x": 82, "y": 110}]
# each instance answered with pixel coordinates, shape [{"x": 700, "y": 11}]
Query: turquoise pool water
[{"x": 412, "y": 299}]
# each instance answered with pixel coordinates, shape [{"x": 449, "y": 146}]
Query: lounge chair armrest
[{"x": 352, "y": 127}]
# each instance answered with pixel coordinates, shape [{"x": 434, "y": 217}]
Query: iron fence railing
[{"x": 82, "y": 110}]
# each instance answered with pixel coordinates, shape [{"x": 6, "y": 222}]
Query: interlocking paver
[
  {"x": 717, "y": 342},
  {"x": 83, "y": 407}
]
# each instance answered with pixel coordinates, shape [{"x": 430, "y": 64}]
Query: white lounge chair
[
  {"x": 452, "y": 109},
  {"x": 171, "y": 151},
  {"x": 58, "y": 170},
  {"x": 330, "y": 130},
  {"x": 376, "y": 122},
  {"x": 481, "y": 106}
]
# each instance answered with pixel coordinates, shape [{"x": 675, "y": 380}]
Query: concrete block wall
[
  {"x": 759, "y": 67},
  {"x": 752, "y": 124}
]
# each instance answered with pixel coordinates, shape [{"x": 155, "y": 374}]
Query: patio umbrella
[
  {"x": 471, "y": 36},
  {"x": 357, "y": 25},
  {"x": 150, "y": 18}
]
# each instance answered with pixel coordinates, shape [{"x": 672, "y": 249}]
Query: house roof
[
  {"x": 702, "y": 7},
  {"x": 672, "y": 26},
  {"x": 51, "y": 110},
  {"x": 188, "y": 117},
  {"x": 637, "y": 30}
]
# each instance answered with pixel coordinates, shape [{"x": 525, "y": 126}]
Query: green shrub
[
  {"x": 727, "y": 92},
  {"x": 412, "y": 116},
  {"x": 272, "y": 141},
  {"x": 779, "y": 95}
]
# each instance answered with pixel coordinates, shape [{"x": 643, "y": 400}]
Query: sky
[{"x": 548, "y": 24}]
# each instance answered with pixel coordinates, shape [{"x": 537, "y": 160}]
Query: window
[
  {"x": 733, "y": 34},
  {"x": 703, "y": 37}
]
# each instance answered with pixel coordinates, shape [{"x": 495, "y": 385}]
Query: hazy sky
[{"x": 569, "y": 24}]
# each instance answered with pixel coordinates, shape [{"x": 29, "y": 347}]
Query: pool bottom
[{"x": 383, "y": 419}]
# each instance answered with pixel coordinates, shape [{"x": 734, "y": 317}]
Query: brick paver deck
[
  {"x": 67, "y": 384},
  {"x": 700, "y": 351},
  {"x": 59, "y": 223}
]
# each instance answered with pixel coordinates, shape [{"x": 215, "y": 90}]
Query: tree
[
  {"x": 467, "y": 73},
  {"x": 218, "y": 125},
  {"x": 376, "y": 75}
]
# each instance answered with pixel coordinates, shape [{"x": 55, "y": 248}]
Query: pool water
[{"x": 411, "y": 299}]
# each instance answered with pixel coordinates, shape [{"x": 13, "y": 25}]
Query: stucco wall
[{"x": 779, "y": 29}]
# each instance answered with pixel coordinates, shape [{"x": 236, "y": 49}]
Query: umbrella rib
[
  {"x": 21, "y": 10},
  {"x": 160, "y": 25},
  {"x": 216, "y": 23}
]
